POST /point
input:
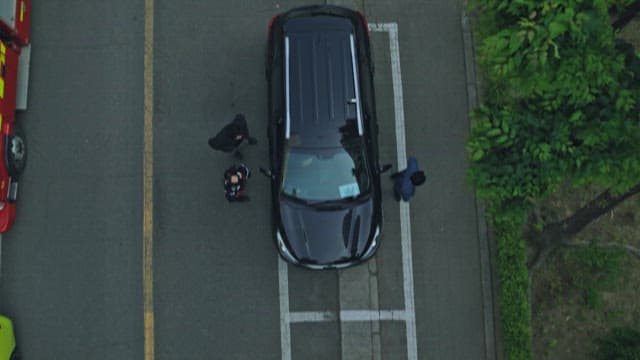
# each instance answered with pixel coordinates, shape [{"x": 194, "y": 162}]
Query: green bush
[
  {"x": 513, "y": 279},
  {"x": 621, "y": 344}
]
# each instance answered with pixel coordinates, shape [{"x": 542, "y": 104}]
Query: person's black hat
[{"x": 418, "y": 178}]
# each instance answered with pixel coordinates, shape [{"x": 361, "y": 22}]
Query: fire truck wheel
[{"x": 17, "y": 152}]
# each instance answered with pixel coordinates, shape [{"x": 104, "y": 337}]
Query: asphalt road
[
  {"x": 71, "y": 268},
  {"x": 72, "y": 265}
]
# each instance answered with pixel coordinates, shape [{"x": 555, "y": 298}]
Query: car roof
[{"x": 320, "y": 68}]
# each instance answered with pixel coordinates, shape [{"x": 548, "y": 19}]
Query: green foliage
[
  {"x": 621, "y": 343},
  {"x": 592, "y": 270},
  {"x": 513, "y": 278},
  {"x": 506, "y": 164},
  {"x": 554, "y": 53},
  {"x": 563, "y": 101},
  {"x": 562, "y": 106}
]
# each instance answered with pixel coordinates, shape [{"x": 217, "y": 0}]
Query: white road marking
[
  {"x": 285, "y": 330},
  {"x": 312, "y": 316},
  {"x": 408, "y": 314},
  {"x": 347, "y": 315},
  {"x": 405, "y": 218}
]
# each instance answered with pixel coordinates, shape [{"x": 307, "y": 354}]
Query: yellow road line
[{"x": 147, "y": 176}]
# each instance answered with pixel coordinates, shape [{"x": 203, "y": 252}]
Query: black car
[{"x": 323, "y": 138}]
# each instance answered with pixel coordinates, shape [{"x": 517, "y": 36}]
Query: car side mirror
[
  {"x": 385, "y": 168},
  {"x": 268, "y": 173}
]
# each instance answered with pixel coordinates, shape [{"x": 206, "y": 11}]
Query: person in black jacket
[
  {"x": 235, "y": 183},
  {"x": 231, "y": 136}
]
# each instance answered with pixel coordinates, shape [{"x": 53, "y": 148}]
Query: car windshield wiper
[
  {"x": 340, "y": 203},
  {"x": 324, "y": 202},
  {"x": 295, "y": 198}
]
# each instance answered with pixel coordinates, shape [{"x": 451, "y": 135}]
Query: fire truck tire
[{"x": 17, "y": 152}]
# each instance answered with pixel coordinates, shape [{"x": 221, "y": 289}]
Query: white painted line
[
  {"x": 285, "y": 330},
  {"x": 398, "y": 99},
  {"x": 368, "y": 315},
  {"x": 405, "y": 218},
  {"x": 347, "y": 315},
  {"x": 312, "y": 316},
  {"x": 407, "y": 271}
]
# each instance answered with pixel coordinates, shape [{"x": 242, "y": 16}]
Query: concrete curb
[{"x": 484, "y": 245}]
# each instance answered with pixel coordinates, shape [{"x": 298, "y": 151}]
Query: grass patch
[
  {"x": 622, "y": 343},
  {"x": 583, "y": 293},
  {"x": 577, "y": 299},
  {"x": 592, "y": 270}
]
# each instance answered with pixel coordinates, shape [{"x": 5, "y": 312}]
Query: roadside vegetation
[{"x": 554, "y": 153}]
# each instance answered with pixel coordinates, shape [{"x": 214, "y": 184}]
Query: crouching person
[{"x": 235, "y": 183}]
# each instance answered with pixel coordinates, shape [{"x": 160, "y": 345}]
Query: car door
[{"x": 275, "y": 81}]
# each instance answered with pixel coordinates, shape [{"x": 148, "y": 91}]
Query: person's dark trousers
[
  {"x": 397, "y": 194},
  {"x": 236, "y": 151},
  {"x": 397, "y": 185}
]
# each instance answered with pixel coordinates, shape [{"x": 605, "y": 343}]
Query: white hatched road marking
[
  {"x": 285, "y": 330},
  {"x": 347, "y": 315},
  {"x": 408, "y": 314},
  {"x": 405, "y": 218}
]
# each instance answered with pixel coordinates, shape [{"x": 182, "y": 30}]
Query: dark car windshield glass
[{"x": 322, "y": 174}]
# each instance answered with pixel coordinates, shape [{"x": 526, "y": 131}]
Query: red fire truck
[{"x": 14, "y": 77}]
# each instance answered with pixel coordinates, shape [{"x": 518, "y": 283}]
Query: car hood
[{"x": 328, "y": 235}]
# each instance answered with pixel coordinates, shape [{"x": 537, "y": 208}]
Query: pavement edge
[{"x": 485, "y": 246}]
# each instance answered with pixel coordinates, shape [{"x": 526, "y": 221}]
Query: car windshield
[{"x": 325, "y": 174}]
